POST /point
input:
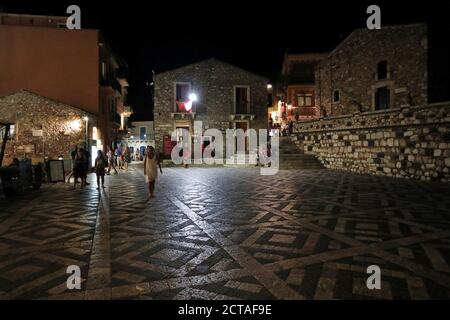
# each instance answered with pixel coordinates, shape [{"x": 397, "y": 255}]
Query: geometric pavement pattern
[{"x": 229, "y": 233}]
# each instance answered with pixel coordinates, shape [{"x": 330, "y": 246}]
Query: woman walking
[
  {"x": 137, "y": 156},
  {"x": 151, "y": 164},
  {"x": 100, "y": 165},
  {"x": 73, "y": 154},
  {"x": 111, "y": 161},
  {"x": 118, "y": 154},
  {"x": 126, "y": 157}
]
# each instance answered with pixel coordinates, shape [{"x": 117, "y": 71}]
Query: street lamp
[
  {"x": 193, "y": 97},
  {"x": 86, "y": 119}
]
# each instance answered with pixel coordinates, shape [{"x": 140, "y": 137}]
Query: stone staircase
[
  {"x": 292, "y": 157},
  {"x": 240, "y": 160}
]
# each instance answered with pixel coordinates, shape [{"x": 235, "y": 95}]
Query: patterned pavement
[{"x": 229, "y": 233}]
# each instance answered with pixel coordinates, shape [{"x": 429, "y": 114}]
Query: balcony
[
  {"x": 182, "y": 115},
  {"x": 115, "y": 118},
  {"x": 242, "y": 116},
  {"x": 306, "y": 113},
  {"x": 127, "y": 111}
]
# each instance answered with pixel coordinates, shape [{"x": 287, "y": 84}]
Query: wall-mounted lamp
[{"x": 193, "y": 97}]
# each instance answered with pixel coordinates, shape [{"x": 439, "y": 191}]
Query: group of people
[
  {"x": 284, "y": 129},
  {"x": 80, "y": 165},
  {"x": 81, "y": 159},
  {"x": 120, "y": 158}
]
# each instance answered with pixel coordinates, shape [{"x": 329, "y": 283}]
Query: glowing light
[
  {"x": 193, "y": 97},
  {"x": 75, "y": 125},
  {"x": 269, "y": 86},
  {"x": 122, "y": 121},
  {"x": 85, "y": 118}
]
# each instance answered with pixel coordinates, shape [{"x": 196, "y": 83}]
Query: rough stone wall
[
  {"x": 213, "y": 82},
  {"x": 58, "y": 121},
  {"x": 352, "y": 69},
  {"x": 411, "y": 142}
]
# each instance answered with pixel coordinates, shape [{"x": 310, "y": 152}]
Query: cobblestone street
[{"x": 229, "y": 233}]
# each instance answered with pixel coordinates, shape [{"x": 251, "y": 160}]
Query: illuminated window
[
  {"x": 182, "y": 90},
  {"x": 103, "y": 70},
  {"x": 304, "y": 99},
  {"x": 12, "y": 131},
  {"x": 143, "y": 133}
]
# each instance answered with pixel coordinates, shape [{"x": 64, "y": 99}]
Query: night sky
[{"x": 253, "y": 35}]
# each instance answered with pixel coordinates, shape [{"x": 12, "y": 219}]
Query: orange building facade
[
  {"x": 76, "y": 67},
  {"x": 296, "y": 98}
]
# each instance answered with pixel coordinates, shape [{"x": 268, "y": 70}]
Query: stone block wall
[
  {"x": 62, "y": 126},
  {"x": 351, "y": 69},
  {"x": 213, "y": 81},
  {"x": 409, "y": 142}
]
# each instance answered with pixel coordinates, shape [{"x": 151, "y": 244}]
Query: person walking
[
  {"x": 137, "y": 155},
  {"x": 73, "y": 154},
  {"x": 118, "y": 154},
  {"x": 79, "y": 170},
  {"x": 151, "y": 164},
  {"x": 100, "y": 164},
  {"x": 87, "y": 163},
  {"x": 111, "y": 161},
  {"x": 126, "y": 157}
]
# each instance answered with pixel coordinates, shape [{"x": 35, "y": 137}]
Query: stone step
[
  {"x": 301, "y": 168},
  {"x": 292, "y": 156},
  {"x": 300, "y": 162},
  {"x": 295, "y": 156},
  {"x": 168, "y": 163},
  {"x": 303, "y": 159},
  {"x": 288, "y": 150}
]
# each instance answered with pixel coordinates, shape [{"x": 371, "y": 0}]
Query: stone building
[
  {"x": 298, "y": 73},
  {"x": 42, "y": 127},
  {"x": 227, "y": 97},
  {"x": 75, "y": 67},
  {"x": 374, "y": 70},
  {"x": 140, "y": 135}
]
